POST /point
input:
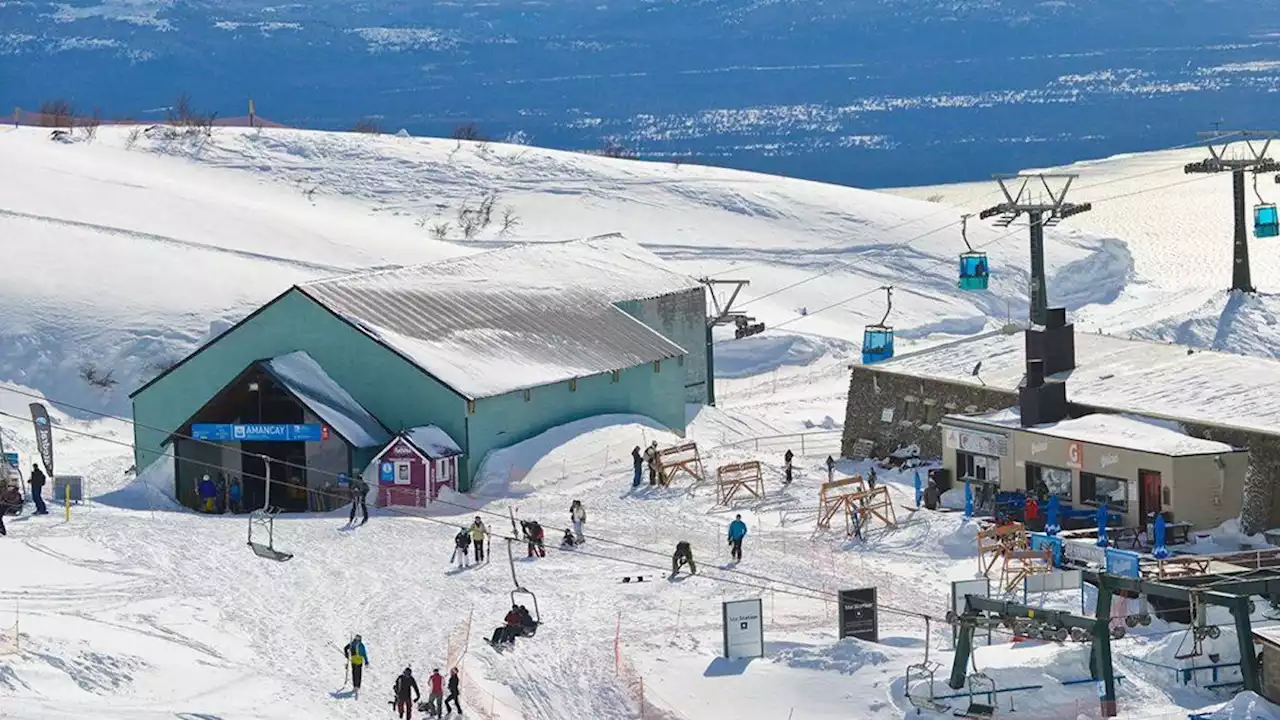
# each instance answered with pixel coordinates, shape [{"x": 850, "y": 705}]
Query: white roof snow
[
  {"x": 313, "y": 387},
  {"x": 511, "y": 319},
  {"x": 1118, "y": 431},
  {"x": 1134, "y": 376},
  {"x": 432, "y": 441}
]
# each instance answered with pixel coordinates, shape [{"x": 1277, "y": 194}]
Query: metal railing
[{"x": 817, "y": 442}]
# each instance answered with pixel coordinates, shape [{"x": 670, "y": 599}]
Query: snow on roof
[
  {"x": 1119, "y": 431},
  {"x": 1140, "y": 377},
  {"x": 1270, "y": 633},
  {"x": 432, "y": 441},
  {"x": 507, "y": 320},
  {"x": 313, "y": 387}
]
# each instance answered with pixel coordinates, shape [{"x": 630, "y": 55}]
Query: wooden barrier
[
  {"x": 731, "y": 478},
  {"x": 858, "y": 504},
  {"x": 680, "y": 458},
  {"x": 1021, "y": 564},
  {"x": 995, "y": 541}
]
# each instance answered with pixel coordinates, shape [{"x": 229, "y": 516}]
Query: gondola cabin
[
  {"x": 877, "y": 343},
  {"x": 1266, "y": 222},
  {"x": 974, "y": 271}
]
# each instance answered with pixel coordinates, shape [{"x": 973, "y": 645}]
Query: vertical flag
[
  {"x": 919, "y": 490},
  {"x": 44, "y": 436}
]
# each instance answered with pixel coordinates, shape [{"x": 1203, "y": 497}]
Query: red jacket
[
  {"x": 437, "y": 684},
  {"x": 512, "y": 618}
]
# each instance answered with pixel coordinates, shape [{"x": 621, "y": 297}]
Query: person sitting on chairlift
[
  {"x": 528, "y": 626},
  {"x": 507, "y": 632}
]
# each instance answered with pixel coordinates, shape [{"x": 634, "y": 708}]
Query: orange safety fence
[
  {"x": 480, "y": 703},
  {"x": 632, "y": 682}
]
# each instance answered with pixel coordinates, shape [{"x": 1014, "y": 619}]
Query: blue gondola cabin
[
  {"x": 877, "y": 344},
  {"x": 974, "y": 271},
  {"x": 1266, "y": 222},
  {"x": 415, "y": 465}
]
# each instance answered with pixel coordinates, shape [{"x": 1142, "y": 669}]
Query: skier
[
  {"x": 737, "y": 531},
  {"x": 461, "y": 543},
  {"x": 208, "y": 493},
  {"x": 651, "y": 458},
  {"x": 358, "y": 657},
  {"x": 568, "y": 540},
  {"x": 787, "y": 466},
  {"x": 478, "y": 533},
  {"x": 454, "y": 682},
  {"x": 578, "y": 516},
  {"x": 831, "y": 468},
  {"x": 435, "y": 704},
  {"x": 682, "y": 556},
  {"x": 359, "y": 493},
  {"x": 932, "y": 496},
  {"x": 506, "y": 633},
  {"x": 637, "y": 461},
  {"x": 406, "y": 685},
  {"x": 37, "y": 486},
  {"x": 234, "y": 496},
  {"x": 533, "y": 535}
]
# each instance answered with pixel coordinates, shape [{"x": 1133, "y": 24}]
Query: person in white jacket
[{"x": 578, "y": 516}]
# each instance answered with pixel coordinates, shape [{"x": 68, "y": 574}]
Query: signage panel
[
  {"x": 260, "y": 432},
  {"x": 858, "y": 614},
  {"x": 973, "y": 441},
  {"x": 743, "y": 629}
]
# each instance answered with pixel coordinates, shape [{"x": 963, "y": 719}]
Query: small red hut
[{"x": 415, "y": 465}]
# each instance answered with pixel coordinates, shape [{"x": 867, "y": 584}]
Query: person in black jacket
[
  {"x": 637, "y": 462},
  {"x": 359, "y": 493},
  {"x": 787, "y": 466},
  {"x": 405, "y": 686},
  {"x": 454, "y": 682},
  {"x": 37, "y": 487}
]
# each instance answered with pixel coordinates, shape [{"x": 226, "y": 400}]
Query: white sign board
[
  {"x": 744, "y": 629},
  {"x": 975, "y": 442},
  {"x": 1051, "y": 582}
]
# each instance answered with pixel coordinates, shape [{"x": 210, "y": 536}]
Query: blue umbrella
[
  {"x": 1160, "y": 551},
  {"x": 968, "y": 499},
  {"x": 1051, "y": 524},
  {"x": 919, "y": 490},
  {"x": 1102, "y": 525}
]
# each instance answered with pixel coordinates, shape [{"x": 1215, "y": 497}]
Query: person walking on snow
[
  {"x": 737, "y": 531},
  {"x": 435, "y": 699},
  {"x": 358, "y": 657},
  {"x": 651, "y": 458},
  {"x": 461, "y": 543},
  {"x": 234, "y": 496},
  {"x": 478, "y": 533},
  {"x": 208, "y": 493},
  {"x": 637, "y": 462},
  {"x": 578, "y": 516},
  {"x": 359, "y": 498},
  {"x": 533, "y": 536},
  {"x": 406, "y": 686},
  {"x": 454, "y": 682},
  {"x": 37, "y": 487},
  {"x": 932, "y": 496},
  {"x": 831, "y": 468},
  {"x": 787, "y": 466}
]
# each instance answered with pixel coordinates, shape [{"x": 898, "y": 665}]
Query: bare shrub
[
  {"x": 367, "y": 125},
  {"x": 469, "y": 220},
  {"x": 613, "y": 148},
  {"x": 132, "y": 139},
  {"x": 509, "y": 221},
  {"x": 469, "y": 131},
  {"x": 183, "y": 114},
  {"x": 96, "y": 378},
  {"x": 89, "y": 126},
  {"x": 440, "y": 231},
  {"x": 57, "y": 113},
  {"x": 934, "y": 199},
  {"x": 485, "y": 211}
]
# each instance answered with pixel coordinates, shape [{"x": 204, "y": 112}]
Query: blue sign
[
  {"x": 257, "y": 433},
  {"x": 11, "y": 459},
  {"x": 1040, "y": 541},
  {"x": 1123, "y": 563},
  {"x": 387, "y": 472},
  {"x": 344, "y": 479}
]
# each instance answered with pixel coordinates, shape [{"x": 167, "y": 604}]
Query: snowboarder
[
  {"x": 404, "y": 687},
  {"x": 506, "y": 633},
  {"x": 568, "y": 540},
  {"x": 461, "y": 543},
  {"x": 831, "y": 468},
  {"x": 578, "y": 516},
  {"x": 651, "y": 458},
  {"x": 737, "y": 531},
  {"x": 359, "y": 498},
  {"x": 637, "y": 462},
  {"x": 478, "y": 533},
  {"x": 37, "y": 487},
  {"x": 208, "y": 493},
  {"x": 786, "y": 459},
  {"x": 533, "y": 535},
  {"x": 454, "y": 682},
  {"x": 358, "y": 657},
  {"x": 435, "y": 700},
  {"x": 234, "y": 496},
  {"x": 932, "y": 496},
  {"x": 683, "y": 556}
]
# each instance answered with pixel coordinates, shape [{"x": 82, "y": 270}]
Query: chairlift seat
[
  {"x": 974, "y": 271},
  {"x": 269, "y": 553},
  {"x": 1266, "y": 221},
  {"x": 877, "y": 343}
]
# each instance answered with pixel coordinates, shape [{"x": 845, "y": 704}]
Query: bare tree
[
  {"x": 133, "y": 137},
  {"x": 367, "y": 125},
  {"x": 509, "y": 221},
  {"x": 615, "y": 149},
  {"x": 468, "y": 131},
  {"x": 440, "y": 231},
  {"x": 57, "y": 113},
  {"x": 89, "y": 126},
  {"x": 485, "y": 211},
  {"x": 96, "y": 378},
  {"x": 183, "y": 114}
]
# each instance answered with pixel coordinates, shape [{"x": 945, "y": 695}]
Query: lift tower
[
  {"x": 725, "y": 314},
  {"x": 1254, "y": 159},
  {"x": 1042, "y": 210}
]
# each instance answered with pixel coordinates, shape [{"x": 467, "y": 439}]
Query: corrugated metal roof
[
  {"x": 496, "y": 322},
  {"x": 313, "y": 387}
]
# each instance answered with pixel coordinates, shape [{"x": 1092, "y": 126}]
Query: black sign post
[{"x": 858, "y": 614}]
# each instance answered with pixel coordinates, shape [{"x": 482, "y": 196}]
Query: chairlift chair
[
  {"x": 924, "y": 672},
  {"x": 521, "y": 590},
  {"x": 974, "y": 269},
  {"x": 981, "y": 687},
  {"x": 1266, "y": 221},
  {"x": 877, "y": 340},
  {"x": 265, "y": 519}
]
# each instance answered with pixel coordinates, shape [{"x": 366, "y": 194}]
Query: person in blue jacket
[
  {"x": 358, "y": 658},
  {"x": 208, "y": 493},
  {"x": 737, "y": 531}
]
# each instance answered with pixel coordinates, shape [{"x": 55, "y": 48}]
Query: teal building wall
[{"x": 682, "y": 319}]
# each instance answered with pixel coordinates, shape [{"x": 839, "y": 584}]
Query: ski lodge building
[
  {"x": 428, "y": 368},
  {"x": 1141, "y": 426}
]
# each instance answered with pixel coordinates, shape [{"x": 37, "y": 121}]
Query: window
[
  {"x": 528, "y": 395},
  {"x": 1043, "y": 481},
  {"x": 573, "y": 384},
  {"x": 680, "y": 360},
  {"x": 979, "y": 468},
  {"x": 615, "y": 376},
  {"x": 1098, "y": 489},
  {"x": 657, "y": 366}
]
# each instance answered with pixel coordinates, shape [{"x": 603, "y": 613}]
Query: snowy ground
[{"x": 133, "y": 252}]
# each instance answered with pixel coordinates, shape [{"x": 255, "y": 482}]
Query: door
[{"x": 1149, "y": 497}]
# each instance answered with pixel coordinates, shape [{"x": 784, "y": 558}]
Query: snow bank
[
  {"x": 1247, "y": 705},
  {"x": 845, "y": 657},
  {"x": 760, "y": 354}
]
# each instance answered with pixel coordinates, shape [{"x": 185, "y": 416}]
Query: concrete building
[
  {"x": 1219, "y": 397},
  {"x": 491, "y": 349}
]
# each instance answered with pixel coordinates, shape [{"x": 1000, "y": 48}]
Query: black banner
[
  {"x": 858, "y": 614},
  {"x": 44, "y": 436}
]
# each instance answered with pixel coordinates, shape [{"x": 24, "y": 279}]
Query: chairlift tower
[
  {"x": 1255, "y": 160},
  {"x": 724, "y": 314},
  {"x": 1042, "y": 210}
]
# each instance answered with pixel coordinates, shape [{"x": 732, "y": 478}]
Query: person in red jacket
[
  {"x": 435, "y": 698},
  {"x": 511, "y": 627}
]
